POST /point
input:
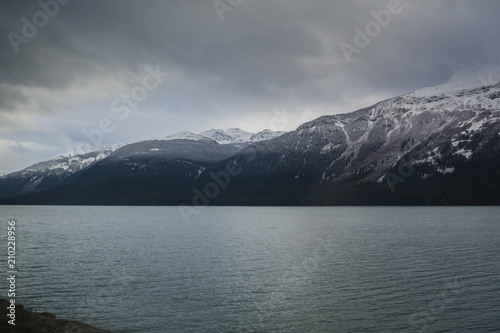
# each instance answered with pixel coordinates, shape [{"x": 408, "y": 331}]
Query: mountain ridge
[{"x": 437, "y": 133}]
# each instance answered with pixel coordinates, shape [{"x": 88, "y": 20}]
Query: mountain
[
  {"x": 265, "y": 135},
  {"x": 371, "y": 140},
  {"x": 186, "y": 135},
  {"x": 218, "y": 136},
  {"x": 230, "y": 136},
  {"x": 437, "y": 145},
  {"x": 175, "y": 156},
  {"x": 48, "y": 174},
  {"x": 238, "y": 136}
]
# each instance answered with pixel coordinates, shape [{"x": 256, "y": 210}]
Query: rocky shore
[{"x": 32, "y": 322}]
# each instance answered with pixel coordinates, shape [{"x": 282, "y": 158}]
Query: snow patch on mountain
[
  {"x": 218, "y": 135},
  {"x": 186, "y": 135},
  {"x": 458, "y": 85},
  {"x": 239, "y": 135},
  {"x": 265, "y": 135},
  {"x": 65, "y": 164},
  {"x": 231, "y": 136},
  {"x": 101, "y": 151}
]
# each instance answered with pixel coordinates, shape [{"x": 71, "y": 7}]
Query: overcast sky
[{"x": 123, "y": 71}]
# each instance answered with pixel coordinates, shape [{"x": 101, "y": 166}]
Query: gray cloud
[{"x": 263, "y": 55}]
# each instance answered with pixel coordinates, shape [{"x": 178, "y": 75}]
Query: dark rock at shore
[{"x": 32, "y": 322}]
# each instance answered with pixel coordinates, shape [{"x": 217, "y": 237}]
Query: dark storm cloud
[
  {"x": 261, "y": 55},
  {"x": 261, "y": 47}
]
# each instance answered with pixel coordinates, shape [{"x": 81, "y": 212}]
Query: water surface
[{"x": 269, "y": 269}]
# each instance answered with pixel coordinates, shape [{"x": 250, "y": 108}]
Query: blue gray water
[{"x": 242, "y": 269}]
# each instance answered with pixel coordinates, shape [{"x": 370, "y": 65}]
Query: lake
[{"x": 261, "y": 269}]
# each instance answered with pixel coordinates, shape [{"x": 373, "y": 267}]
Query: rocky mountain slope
[{"x": 374, "y": 139}]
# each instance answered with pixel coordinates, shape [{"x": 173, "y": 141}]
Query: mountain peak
[
  {"x": 90, "y": 149},
  {"x": 186, "y": 135},
  {"x": 457, "y": 86},
  {"x": 230, "y": 136}
]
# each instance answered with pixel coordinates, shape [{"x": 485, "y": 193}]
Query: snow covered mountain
[
  {"x": 186, "y": 135},
  {"x": 265, "y": 135},
  {"x": 374, "y": 139},
  {"x": 231, "y": 136},
  {"x": 419, "y": 136},
  {"x": 214, "y": 146},
  {"x": 238, "y": 136},
  {"x": 50, "y": 173},
  {"x": 438, "y": 145}
]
